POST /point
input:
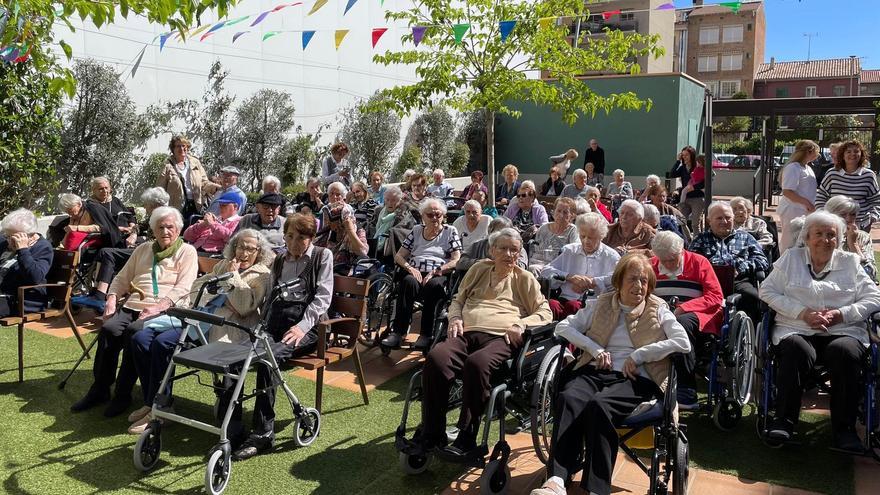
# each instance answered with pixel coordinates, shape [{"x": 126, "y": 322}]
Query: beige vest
[{"x": 642, "y": 323}]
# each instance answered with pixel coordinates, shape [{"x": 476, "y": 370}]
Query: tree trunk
[{"x": 490, "y": 156}]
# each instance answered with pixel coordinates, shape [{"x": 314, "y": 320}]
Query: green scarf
[{"x": 158, "y": 256}]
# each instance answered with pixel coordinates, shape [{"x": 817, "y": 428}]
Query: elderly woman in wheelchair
[
  {"x": 495, "y": 303},
  {"x": 822, "y": 298},
  {"x": 627, "y": 335}
]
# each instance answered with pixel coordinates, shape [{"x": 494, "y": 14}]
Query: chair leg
[
  {"x": 75, "y": 329},
  {"x": 319, "y": 388},
  {"x": 360, "y": 375},
  {"x": 21, "y": 352}
]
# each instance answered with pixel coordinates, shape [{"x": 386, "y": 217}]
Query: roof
[
  {"x": 834, "y": 68},
  {"x": 871, "y": 76}
]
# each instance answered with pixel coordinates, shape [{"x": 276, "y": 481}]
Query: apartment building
[
  {"x": 719, "y": 47},
  {"x": 869, "y": 82}
]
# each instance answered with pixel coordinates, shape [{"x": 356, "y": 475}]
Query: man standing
[
  {"x": 229, "y": 182},
  {"x": 596, "y": 155}
]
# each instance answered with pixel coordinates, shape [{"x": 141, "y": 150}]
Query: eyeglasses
[
  {"x": 434, "y": 215},
  {"x": 247, "y": 249},
  {"x": 525, "y": 195}
]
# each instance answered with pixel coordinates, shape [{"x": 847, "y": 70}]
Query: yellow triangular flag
[
  {"x": 318, "y": 5},
  {"x": 545, "y": 22},
  {"x": 340, "y": 35},
  {"x": 198, "y": 31}
]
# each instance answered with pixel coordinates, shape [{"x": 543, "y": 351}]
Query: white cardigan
[{"x": 790, "y": 289}]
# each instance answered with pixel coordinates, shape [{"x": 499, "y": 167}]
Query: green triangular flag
[
  {"x": 733, "y": 6},
  {"x": 459, "y": 30}
]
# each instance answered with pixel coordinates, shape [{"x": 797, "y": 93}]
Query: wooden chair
[
  {"x": 59, "y": 285},
  {"x": 206, "y": 264},
  {"x": 338, "y": 337}
]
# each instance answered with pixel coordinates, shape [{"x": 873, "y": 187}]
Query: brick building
[
  {"x": 808, "y": 79},
  {"x": 869, "y": 82}
]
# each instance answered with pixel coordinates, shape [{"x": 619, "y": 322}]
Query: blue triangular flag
[
  {"x": 349, "y": 6},
  {"x": 307, "y": 36},
  {"x": 162, "y": 39},
  {"x": 506, "y": 27}
]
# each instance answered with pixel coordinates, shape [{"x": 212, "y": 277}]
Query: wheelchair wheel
[
  {"x": 148, "y": 447},
  {"x": 413, "y": 464},
  {"x": 219, "y": 470},
  {"x": 726, "y": 414},
  {"x": 307, "y": 427},
  {"x": 743, "y": 358},
  {"x": 681, "y": 471},
  {"x": 378, "y": 307},
  {"x": 541, "y": 404},
  {"x": 495, "y": 479}
]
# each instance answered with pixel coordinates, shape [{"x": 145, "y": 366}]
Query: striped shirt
[
  {"x": 684, "y": 290},
  {"x": 860, "y": 185}
]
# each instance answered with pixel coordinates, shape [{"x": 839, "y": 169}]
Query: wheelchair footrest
[{"x": 218, "y": 357}]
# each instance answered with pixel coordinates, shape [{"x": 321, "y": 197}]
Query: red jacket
[
  {"x": 604, "y": 211},
  {"x": 708, "y": 307}
]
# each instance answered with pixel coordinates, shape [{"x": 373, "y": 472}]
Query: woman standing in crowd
[
  {"x": 185, "y": 180},
  {"x": 552, "y": 236},
  {"x": 692, "y": 202},
  {"x": 563, "y": 162},
  {"x": 335, "y": 162},
  {"x": 851, "y": 177},
  {"x": 798, "y": 189},
  {"x": 681, "y": 169}
]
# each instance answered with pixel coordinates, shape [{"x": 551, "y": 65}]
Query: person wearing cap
[
  {"x": 475, "y": 185},
  {"x": 211, "y": 233},
  {"x": 229, "y": 183},
  {"x": 185, "y": 180},
  {"x": 267, "y": 220},
  {"x": 335, "y": 167}
]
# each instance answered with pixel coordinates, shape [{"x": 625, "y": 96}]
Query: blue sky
[{"x": 845, "y": 27}]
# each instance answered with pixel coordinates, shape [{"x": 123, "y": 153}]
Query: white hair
[
  {"x": 264, "y": 252},
  {"x": 97, "y": 180},
  {"x": 592, "y": 221},
  {"x": 652, "y": 179},
  {"x": 408, "y": 173},
  {"x": 473, "y": 203},
  {"x": 824, "y": 219},
  {"x": 528, "y": 185},
  {"x": 637, "y": 207},
  {"x": 580, "y": 173},
  {"x": 499, "y": 223},
  {"x": 591, "y": 189},
  {"x": 652, "y": 214},
  {"x": 742, "y": 201},
  {"x": 796, "y": 225},
  {"x": 155, "y": 196},
  {"x": 618, "y": 172},
  {"x": 717, "y": 204},
  {"x": 20, "y": 220},
  {"x": 439, "y": 171},
  {"x": 842, "y": 205},
  {"x": 165, "y": 212},
  {"x": 508, "y": 232},
  {"x": 339, "y": 186},
  {"x": 272, "y": 180},
  {"x": 426, "y": 203},
  {"x": 393, "y": 192},
  {"x": 583, "y": 206},
  {"x": 68, "y": 200},
  {"x": 667, "y": 244}
]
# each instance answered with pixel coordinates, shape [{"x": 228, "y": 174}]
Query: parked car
[{"x": 746, "y": 161}]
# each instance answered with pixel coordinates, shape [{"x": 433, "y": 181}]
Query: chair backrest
[
  {"x": 62, "y": 271},
  {"x": 726, "y": 275},
  {"x": 350, "y": 297}
]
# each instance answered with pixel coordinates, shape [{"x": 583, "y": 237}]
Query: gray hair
[
  {"x": 528, "y": 185},
  {"x": 747, "y": 203},
  {"x": 264, "y": 253},
  {"x": 427, "y": 202},
  {"x": 394, "y": 192},
  {"x": 652, "y": 214},
  {"x": 20, "y": 220},
  {"x": 499, "y": 223},
  {"x": 474, "y": 204},
  {"x": 338, "y": 186},
  {"x": 580, "y": 173},
  {"x": 655, "y": 179},
  {"x": 825, "y": 219},
  {"x": 408, "y": 173},
  {"x": 68, "y": 200},
  {"x": 667, "y": 244},
  {"x": 583, "y": 206},
  {"x": 439, "y": 171},
  {"x": 155, "y": 196},
  {"x": 718, "y": 204},
  {"x": 508, "y": 232},
  {"x": 797, "y": 227},
  {"x": 637, "y": 207},
  {"x": 618, "y": 172},
  {"x": 274, "y": 180},
  {"x": 164, "y": 212},
  {"x": 592, "y": 221},
  {"x": 591, "y": 189},
  {"x": 842, "y": 205},
  {"x": 97, "y": 180}
]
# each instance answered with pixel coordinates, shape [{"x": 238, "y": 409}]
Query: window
[
  {"x": 840, "y": 90},
  {"x": 712, "y": 86},
  {"x": 782, "y": 92},
  {"x": 728, "y": 89},
  {"x": 810, "y": 92},
  {"x": 709, "y": 35},
  {"x": 733, "y": 34},
  {"x": 707, "y": 64},
  {"x": 732, "y": 61},
  {"x": 627, "y": 16}
]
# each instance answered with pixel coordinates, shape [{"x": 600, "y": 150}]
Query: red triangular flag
[
  {"x": 377, "y": 33},
  {"x": 607, "y": 15}
]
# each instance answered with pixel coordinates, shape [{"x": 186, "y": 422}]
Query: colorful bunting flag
[
  {"x": 506, "y": 27},
  {"x": 199, "y": 30},
  {"x": 204, "y": 36},
  {"x": 377, "y": 33},
  {"x": 260, "y": 18},
  {"x": 238, "y": 35},
  {"x": 307, "y": 36},
  {"x": 180, "y": 33},
  {"x": 318, "y": 5},
  {"x": 12, "y": 54},
  {"x": 418, "y": 34},
  {"x": 666, "y": 6},
  {"x": 459, "y": 30},
  {"x": 607, "y": 15},
  {"x": 162, "y": 39},
  {"x": 340, "y": 35},
  {"x": 236, "y": 21},
  {"x": 24, "y": 57},
  {"x": 733, "y": 6},
  {"x": 216, "y": 27},
  {"x": 349, "y": 5},
  {"x": 270, "y": 34},
  {"x": 138, "y": 63},
  {"x": 546, "y": 22}
]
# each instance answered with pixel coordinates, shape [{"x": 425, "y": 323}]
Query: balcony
[{"x": 593, "y": 27}]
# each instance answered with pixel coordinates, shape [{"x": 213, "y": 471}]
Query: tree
[
  {"x": 102, "y": 130},
  {"x": 371, "y": 137},
  {"x": 31, "y": 142},
  {"x": 410, "y": 158},
  {"x": 472, "y": 132},
  {"x": 482, "y": 72},
  {"x": 835, "y": 128},
  {"x": 144, "y": 178},
  {"x": 298, "y": 158},
  {"x": 433, "y": 132},
  {"x": 262, "y": 125}
]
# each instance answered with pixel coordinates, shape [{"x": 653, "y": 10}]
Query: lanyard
[{"x": 154, "y": 279}]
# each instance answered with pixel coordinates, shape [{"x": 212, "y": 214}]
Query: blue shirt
[{"x": 738, "y": 249}]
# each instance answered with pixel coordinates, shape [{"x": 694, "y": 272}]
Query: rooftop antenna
[{"x": 809, "y": 37}]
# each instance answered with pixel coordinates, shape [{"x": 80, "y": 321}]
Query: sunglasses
[
  {"x": 525, "y": 195},
  {"x": 434, "y": 216}
]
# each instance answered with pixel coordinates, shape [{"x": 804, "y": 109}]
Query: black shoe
[
  {"x": 392, "y": 341},
  {"x": 848, "y": 442},
  {"x": 423, "y": 343},
  {"x": 254, "y": 445},
  {"x": 90, "y": 400},
  {"x": 117, "y": 406},
  {"x": 780, "y": 430},
  {"x": 465, "y": 443}
]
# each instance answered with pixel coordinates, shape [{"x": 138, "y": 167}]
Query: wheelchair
[
  {"x": 511, "y": 386},
  {"x": 223, "y": 360},
  {"x": 765, "y": 389},
  {"x": 668, "y": 469}
]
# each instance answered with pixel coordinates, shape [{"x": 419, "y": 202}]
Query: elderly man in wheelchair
[
  {"x": 822, "y": 298},
  {"x": 626, "y": 336}
]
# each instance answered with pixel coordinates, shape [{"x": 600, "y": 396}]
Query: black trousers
[
  {"x": 408, "y": 293},
  {"x": 797, "y": 357},
  {"x": 115, "y": 336},
  {"x": 111, "y": 259},
  {"x": 472, "y": 357},
  {"x": 685, "y": 367},
  {"x": 750, "y": 302},
  {"x": 591, "y": 402},
  {"x": 8, "y": 307}
]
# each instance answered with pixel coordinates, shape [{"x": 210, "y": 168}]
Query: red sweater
[{"x": 708, "y": 307}]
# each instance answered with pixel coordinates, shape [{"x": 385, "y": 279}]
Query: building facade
[
  {"x": 869, "y": 82},
  {"x": 720, "y": 47},
  {"x": 808, "y": 79}
]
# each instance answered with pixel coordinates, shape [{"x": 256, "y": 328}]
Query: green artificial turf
[{"x": 45, "y": 449}]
